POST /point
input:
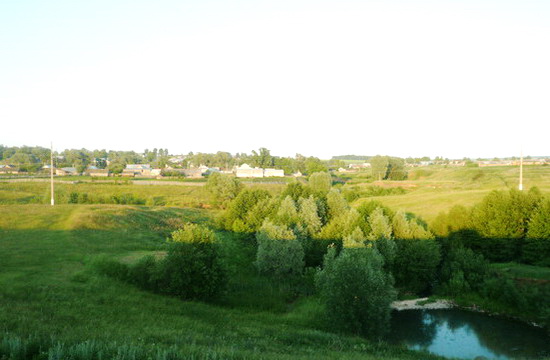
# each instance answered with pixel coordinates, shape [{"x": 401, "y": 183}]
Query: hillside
[
  {"x": 53, "y": 291},
  {"x": 430, "y": 190}
]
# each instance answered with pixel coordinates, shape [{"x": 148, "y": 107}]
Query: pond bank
[{"x": 422, "y": 304}]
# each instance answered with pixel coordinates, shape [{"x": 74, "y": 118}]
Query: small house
[{"x": 66, "y": 171}]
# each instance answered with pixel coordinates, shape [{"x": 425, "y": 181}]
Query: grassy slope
[
  {"x": 49, "y": 288},
  {"x": 435, "y": 189}
]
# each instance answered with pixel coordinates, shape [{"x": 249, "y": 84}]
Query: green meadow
[{"x": 50, "y": 290}]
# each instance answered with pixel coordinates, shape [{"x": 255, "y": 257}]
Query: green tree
[
  {"x": 379, "y": 166},
  {"x": 337, "y": 205},
  {"x": 264, "y": 209},
  {"x": 320, "y": 183},
  {"x": 262, "y": 158},
  {"x": 380, "y": 225},
  {"x": 343, "y": 225},
  {"x": 234, "y": 218},
  {"x": 502, "y": 218},
  {"x": 287, "y": 214},
  {"x": 356, "y": 291},
  {"x": 356, "y": 239},
  {"x": 309, "y": 216},
  {"x": 314, "y": 165},
  {"x": 462, "y": 271},
  {"x": 396, "y": 169},
  {"x": 296, "y": 190},
  {"x": 279, "y": 252},
  {"x": 223, "y": 188},
  {"x": 381, "y": 236}
]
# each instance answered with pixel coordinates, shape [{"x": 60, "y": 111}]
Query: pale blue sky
[{"x": 405, "y": 78}]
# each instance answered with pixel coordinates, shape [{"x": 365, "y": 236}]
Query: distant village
[{"x": 194, "y": 167}]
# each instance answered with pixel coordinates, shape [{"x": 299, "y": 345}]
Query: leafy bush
[
  {"x": 279, "y": 253},
  {"x": 356, "y": 291},
  {"x": 382, "y": 191},
  {"x": 192, "y": 268}
]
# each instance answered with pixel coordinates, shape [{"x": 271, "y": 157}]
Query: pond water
[{"x": 468, "y": 335}]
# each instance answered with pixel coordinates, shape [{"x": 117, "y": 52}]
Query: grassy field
[
  {"x": 431, "y": 190},
  {"x": 49, "y": 288},
  {"x": 189, "y": 195}
]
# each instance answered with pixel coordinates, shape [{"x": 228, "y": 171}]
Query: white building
[
  {"x": 274, "y": 173},
  {"x": 246, "y": 171}
]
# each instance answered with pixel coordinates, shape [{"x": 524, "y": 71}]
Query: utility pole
[
  {"x": 51, "y": 172},
  {"x": 521, "y": 171}
]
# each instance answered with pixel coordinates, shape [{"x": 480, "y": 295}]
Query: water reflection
[{"x": 467, "y": 335}]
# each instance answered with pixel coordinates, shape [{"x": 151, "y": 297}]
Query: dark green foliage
[
  {"x": 536, "y": 249},
  {"x": 316, "y": 249},
  {"x": 141, "y": 273},
  {"x": 462, "y": 271},
  {"x": 111, "y": 268},
  {"x": 356, "y": 291},
  {"x": 73, "y": 198},
  {"x": 126, "y": 199},
  {"x": 191, "y": 271},
  {"x": 416, "y": 264},
  {"x": 525, "y": 298}
]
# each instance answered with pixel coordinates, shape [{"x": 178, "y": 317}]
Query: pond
[{"x": 468, "y": 335}]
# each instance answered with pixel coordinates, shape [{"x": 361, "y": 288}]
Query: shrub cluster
[
  {"x": 121, "y": 199},
  {"x": 505, "y": 226},
  {"x": 356, "y": 291},
  {"x": 191, "y": 270}
]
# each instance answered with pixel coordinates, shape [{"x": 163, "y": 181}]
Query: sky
[{"x": 320, "y": 78}]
